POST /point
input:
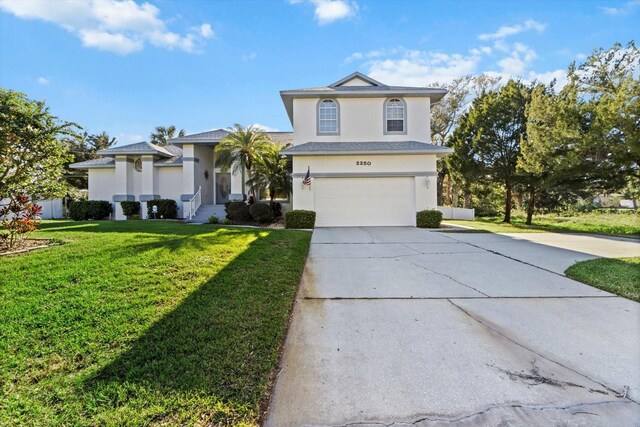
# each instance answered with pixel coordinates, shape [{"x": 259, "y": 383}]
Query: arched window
[
  {"x": 395, "y": 116},
  {"x": 328, "y": 117}
]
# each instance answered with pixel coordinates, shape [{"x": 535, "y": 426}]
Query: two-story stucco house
[{"x": 365, "y": 147}]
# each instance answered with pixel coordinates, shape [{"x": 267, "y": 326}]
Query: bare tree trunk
[
  {"x": 519, "y": 200},
  {"x": 531, "y": 205},
  {"x": 441, "y": 177},
  {"x": 507, "y": 204}
]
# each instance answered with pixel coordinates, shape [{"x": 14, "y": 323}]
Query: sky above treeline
[{"x": 125, "y": 66}]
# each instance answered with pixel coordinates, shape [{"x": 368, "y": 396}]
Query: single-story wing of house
[{"x": 360, "y": 151}]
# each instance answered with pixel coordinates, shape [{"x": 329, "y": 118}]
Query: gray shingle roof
[
  {"x": 173, "y": 161},
  {"x": 137, "y": 148},
  {"x": 208, "y": 136},
  {"x": 375, "y": 147},
  {"x": 214, "y": 136},
  {"x": 101, "y": 162}
]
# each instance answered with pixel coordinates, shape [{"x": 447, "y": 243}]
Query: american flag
[{"x": 307, "y": 178}]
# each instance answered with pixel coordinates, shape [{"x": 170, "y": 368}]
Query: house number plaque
[{"x": 363, "y": 163}]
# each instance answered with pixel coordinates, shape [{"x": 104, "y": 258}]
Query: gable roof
[
  {"x": 356, "y": 75},
  {"x": 139, "y": 148},
  {"x": 376, "y": 89}
]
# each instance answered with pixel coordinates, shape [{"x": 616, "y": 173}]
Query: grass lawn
[
  {"x": 145, "y": 323},
  {"x": 619, "y": 276},
  {"x": 611, "y": 224}
]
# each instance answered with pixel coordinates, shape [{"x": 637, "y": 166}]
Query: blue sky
[{"x": 125, "y": 67}]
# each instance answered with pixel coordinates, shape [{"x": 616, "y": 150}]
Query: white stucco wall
[
  {"x": 361, "y": 119},
  {"x": 345, "y": 166},
  {"x": 170, "y": 184},
  {"x": 101, "y": 185}
]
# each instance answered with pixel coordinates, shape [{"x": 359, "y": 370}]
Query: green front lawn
[
  {"x": 139, "y": 323},
  {"x": 619, "y": 276},
  {"x": 621, "y": 224}
]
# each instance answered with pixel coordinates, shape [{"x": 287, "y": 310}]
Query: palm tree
[
  {"x": 270, "y": 171},
  {"x": 162, "y": 134},
  {"x": 239, "y": 150}
]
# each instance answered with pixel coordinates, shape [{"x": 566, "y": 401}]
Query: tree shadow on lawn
[
  {"x": 176, "y": 227},
  {"x": 219, "y": 345}
]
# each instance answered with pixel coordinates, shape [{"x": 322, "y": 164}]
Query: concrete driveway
[{"x": 405, "y": 326}]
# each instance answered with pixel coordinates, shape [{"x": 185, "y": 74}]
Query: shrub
[
  {"x": 300, "y": 219},
  {"x": 428, "y": 219},
  {"x": 130, "y": 209},
  {"x": 19, "y": 218},
  {"x": 82, "y": 210},
  {"x": 226, "y": 221},
  {"x": 213, "y": 219},
  {"x": 167, "y": 208},
  {"x": 238, "y": 211},
  {"x": 261, "y": 212},
  {"x": 276, "y": 208}
]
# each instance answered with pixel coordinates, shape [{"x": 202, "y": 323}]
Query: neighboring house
[{"x": 365, "y": 146}]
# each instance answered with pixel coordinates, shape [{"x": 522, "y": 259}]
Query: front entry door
[{"x": 223, "y": 188}]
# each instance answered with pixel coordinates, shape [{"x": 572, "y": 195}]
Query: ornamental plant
[{"x": 19, "y": 218}]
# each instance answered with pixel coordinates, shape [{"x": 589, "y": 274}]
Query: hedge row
[
  {"x": 82, "y": 210},
  {"x": 300, "y": 219},
  {"x": 167, "y": 209},
  {"x": 428, "y": 219},
  {"x": 130, "y": 208}
]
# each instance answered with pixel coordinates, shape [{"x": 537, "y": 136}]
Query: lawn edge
[
  {"x": 265, "y": 403},
  {"x": 594, "y": 285}
]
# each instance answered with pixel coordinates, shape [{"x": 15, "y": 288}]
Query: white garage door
[{"x": 365, "y": 201}]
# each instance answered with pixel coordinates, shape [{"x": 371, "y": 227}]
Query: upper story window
[
  {"x": 395, "y": 116},
  {"x": 328, "y": 117}
]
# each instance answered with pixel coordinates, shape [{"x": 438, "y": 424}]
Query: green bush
[
  {"x": 300, "y": 219},
  {"x": 226, "y": 221},
  {"x": 238, "y": 211},
  {"x": 131, "y": 209},
  {"x": 213, "y": 219},
  {"x": 428, "y": 219},
  {"x": 167, "y": 208},
  {"x": 261, "y": 212},
  {"x": 82, "y": 210}
]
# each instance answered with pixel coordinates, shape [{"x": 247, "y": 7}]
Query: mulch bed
[{"x": 27, "y": 245}]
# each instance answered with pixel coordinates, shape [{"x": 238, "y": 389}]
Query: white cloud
[
  {"x": 43, "y": 81},
  {"x": 626, "y": 9},
  {"x": 117, "y": 43},
  {"x": 560, "y": 76},
  {"x": 249, "y": 56},
  {"x": 420, "y": 68},
  {"x": 510, "y": 30},
  {"x": 518, "y": 60},
  {"x": 264, "y": 128},
  {"x": 329, "y": 11},
  {"x": 119, "y": 26}
]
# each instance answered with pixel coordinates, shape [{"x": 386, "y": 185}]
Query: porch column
[
  {"x": 149, "y": 185},
  {"x": 188, "y": 176},
  {"x": 123, "y": 185}
]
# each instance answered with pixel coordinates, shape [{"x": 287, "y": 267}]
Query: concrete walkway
[{"x": 405, "y": 326}]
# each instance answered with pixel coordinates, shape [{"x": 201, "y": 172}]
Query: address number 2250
[{"x": 363, "y": 163}]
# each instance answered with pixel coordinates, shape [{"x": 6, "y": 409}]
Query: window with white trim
[
  {"x": 395, "y": 116},
  {"x": 327, "y": 116}
]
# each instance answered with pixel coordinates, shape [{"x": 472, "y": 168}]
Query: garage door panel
[{"x": 365, "y": 201}]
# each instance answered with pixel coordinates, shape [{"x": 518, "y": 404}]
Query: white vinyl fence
[
  {"x": 51, "y": 209},
  {"x": 457, "y": 213}
]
